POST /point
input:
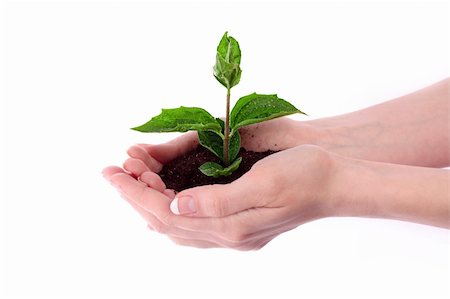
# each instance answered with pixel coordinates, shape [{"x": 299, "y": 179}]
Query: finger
[
  {"x": 135, "y": 166},
  {"x": 218, "y": 200},
  {"x": 233, "y": 231},
  {"x": 153, "y": 221},
  {"x": 148, "y": 217},
  {"x": 110, "y": 171},
  {"x": 153, "y": 181},
  {"x": 193, "y": 243},
  {"x": 177, "y": 147},
  {"x": 149, "y": 199},
  {"x": 237, "y": 230},
  {"x": 137, "y": 152},
  {"x": 156, "y": 225},
  {"x": 170, "y": 193},
  {"x": 237, "y": 240},
  {"x": 158, "y": 204}
]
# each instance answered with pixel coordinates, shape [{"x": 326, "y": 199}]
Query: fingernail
[{"x": 183, "y": 205}]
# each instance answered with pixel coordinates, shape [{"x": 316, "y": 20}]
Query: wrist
[
  {"x": 362, "y": 188},
  {"x": 319, "y": 173},
  {"x": 320, "y": 132},
  {"x": 301, "y": 133},
  {"x": 348, "y": 188},
  {"x": 343, "y": 135}
]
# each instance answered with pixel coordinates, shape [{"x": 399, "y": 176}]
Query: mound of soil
[{"x": 183, "y": 173}]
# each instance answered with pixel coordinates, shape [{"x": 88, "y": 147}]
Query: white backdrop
[{"x": 76, "y": 75}]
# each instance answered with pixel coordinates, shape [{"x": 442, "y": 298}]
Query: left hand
[{"x": 279, "y": 193}]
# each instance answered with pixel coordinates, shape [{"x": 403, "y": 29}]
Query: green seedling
[{"x": 222, "y": 137}]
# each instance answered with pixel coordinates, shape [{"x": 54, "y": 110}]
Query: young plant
[{"x": 222, "y": 137}]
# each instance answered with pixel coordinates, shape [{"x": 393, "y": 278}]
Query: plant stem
[{"x": 226, "y": 133}]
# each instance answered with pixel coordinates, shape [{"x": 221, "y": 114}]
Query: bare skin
[
  {"x": 410, "y": 130},
  {"x": 352, "y": 170}
]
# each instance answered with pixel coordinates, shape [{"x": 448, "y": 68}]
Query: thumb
[{"x": 216, "y": 200}]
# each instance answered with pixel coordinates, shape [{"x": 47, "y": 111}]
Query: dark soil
[{"x": 182, "y": 173}]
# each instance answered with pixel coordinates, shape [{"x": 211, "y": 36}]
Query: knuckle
[
  {"x": 217, "y": 206},
  {"x": 132, "y": 151},
  {"x": 258, "y": 174},
  {"x": 127, "y": 163},
  {"x": 264, "y": 181},
  {"x": 257, "y": 169}
]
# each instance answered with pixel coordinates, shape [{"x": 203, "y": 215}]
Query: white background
[{"x": 76, "y": 75}]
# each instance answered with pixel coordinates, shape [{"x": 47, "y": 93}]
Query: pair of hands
[{"x": 279, "y": 193}]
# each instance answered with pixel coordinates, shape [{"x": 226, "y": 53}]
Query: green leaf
[
  {"x": 181, "y": 120},
  {"x": 217, "y": 170},
  {"x": 228, "y": 48},
  {"x": 255, "y": 108},
  {"x": 214, "y": 142},
  {"x": 227, "y": 69}
]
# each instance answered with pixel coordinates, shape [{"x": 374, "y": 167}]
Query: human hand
[
  {"x": 277, "y": 134},
  {"x": 276, "y": 195}
]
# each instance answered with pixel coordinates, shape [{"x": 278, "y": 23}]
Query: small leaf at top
[
  {"x": 255, "y": 108},
  {"x": 181, "y": 120},
  {"x": 228, "y": 49},
  {"x": 217, "y": 170},
  {"x": 214, "y": 142},
  {"x": 227, "y": 69}
]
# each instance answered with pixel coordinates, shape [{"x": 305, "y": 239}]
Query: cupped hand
[
  {"x": 277, "y": 134},
  {"x": 279, "y": 193}
]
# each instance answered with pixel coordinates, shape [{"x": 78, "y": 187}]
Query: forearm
[
  {"x": 412, "y": 130},
  {"x": 381, "y": 190}
]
